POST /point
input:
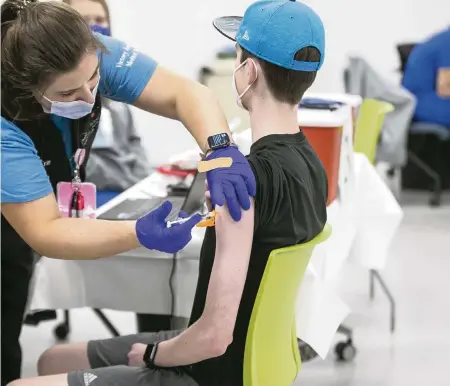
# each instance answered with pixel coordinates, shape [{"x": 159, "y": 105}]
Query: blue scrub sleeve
[
  {"x": 23, "y": 174},
  {"x": 124, "y": 71}
]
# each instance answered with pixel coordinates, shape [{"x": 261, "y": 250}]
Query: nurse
[{"x": 54, "y": 71}]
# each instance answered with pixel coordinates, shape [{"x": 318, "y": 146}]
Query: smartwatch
[
  {"x": 150, "y": 355},
  {"x": 218, "y": 141}
]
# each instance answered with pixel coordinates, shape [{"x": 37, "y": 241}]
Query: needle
[{"x": 183, "y": 220}]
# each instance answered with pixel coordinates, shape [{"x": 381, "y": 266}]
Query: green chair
[
  {"x": 271, "y": 350},
  {"x": 369, "y": 125},
  {"x": 368, "y": 129}
]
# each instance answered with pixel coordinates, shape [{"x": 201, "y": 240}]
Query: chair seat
[{"x": 442, "y": 132}]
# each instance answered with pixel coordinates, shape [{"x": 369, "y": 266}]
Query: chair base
[
  {"x": 62, "y": 330},
  {"x": 307, "y": 353},
  {"x": 435, "y": 198},
  {"x": 345, "y": 351}
]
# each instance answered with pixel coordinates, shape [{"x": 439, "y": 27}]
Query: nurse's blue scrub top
[{"x": 124, "y": 72}]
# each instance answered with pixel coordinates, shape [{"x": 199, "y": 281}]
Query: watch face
[{"x": 218, "y": 141}]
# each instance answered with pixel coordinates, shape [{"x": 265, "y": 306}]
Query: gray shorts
[{"x": 109, "y": 364}]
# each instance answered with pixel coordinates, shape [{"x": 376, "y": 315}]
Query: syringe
[{"x": 207, "y": 220}]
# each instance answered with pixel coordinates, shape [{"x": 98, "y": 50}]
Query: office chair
[
  {"x": 367, "y": 133},
  {"x": 271, "y": 351},
  {"x": 404, "y": 50},
  {"x": 425, "y": 129}
]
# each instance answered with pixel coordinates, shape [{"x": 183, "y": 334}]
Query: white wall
[{"x": 180, "y": 36}]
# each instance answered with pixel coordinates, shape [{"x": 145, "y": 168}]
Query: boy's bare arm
[{"x": 210, "y": 336}]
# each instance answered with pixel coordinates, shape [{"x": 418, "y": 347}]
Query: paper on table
[{"x": 319, "y": 313}]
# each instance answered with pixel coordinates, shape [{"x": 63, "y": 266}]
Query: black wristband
[{"x": 150, "y": 354}]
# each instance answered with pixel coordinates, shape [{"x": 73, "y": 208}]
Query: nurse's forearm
[
  {"x": 85, "y": 239},
  {"x": 40, "y": 224},
  {"x": 199, "y": 110}
]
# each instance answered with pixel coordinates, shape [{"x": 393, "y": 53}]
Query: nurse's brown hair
[{"x": 40, "y": 40}]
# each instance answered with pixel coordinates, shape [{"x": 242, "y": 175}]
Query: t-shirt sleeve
[
  {"x": 23, "y": 175},
  {"x": 264, "y": 189},
  {"x": 124, "y": 71}
]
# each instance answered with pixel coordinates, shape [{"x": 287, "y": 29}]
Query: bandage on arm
[{"x": 216, "y": 163}]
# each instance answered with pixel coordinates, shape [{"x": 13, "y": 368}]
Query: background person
[
  {"x": 427, "y": 76},
  {"x": 118, "y": 160}
]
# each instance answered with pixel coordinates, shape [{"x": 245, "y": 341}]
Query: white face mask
[
  {"x": 236, "y": 92},
  {"x": 72, "y": 110}
]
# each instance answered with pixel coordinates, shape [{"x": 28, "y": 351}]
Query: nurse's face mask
[
  {"x": 101, "y": 29},
  {"x": 72, "y": 110}
]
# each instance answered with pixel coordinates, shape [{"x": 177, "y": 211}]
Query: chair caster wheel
[
  {"x": 391, "y": 172},
  {"x": 435, "y": 201},
  {"x": 61, "y": 332},
  {"x": 345, "y": 351},
  {"x": 307, "y": 353}
]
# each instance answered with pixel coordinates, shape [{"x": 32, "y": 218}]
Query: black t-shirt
[{"x": 290, "y": 208}]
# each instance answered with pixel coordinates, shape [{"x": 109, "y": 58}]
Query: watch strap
[
  {"x": 150, "y": 354},
  {"x": 207, "y": 149}
]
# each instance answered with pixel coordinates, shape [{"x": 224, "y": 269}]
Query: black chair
[
  {"x": 404, "y": 50},
  {"x": 420, "y": 133}
]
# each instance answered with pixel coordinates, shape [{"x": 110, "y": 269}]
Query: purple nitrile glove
[
  {"x": 233, "y": 185},
  {"x": 152, "y": 231}
]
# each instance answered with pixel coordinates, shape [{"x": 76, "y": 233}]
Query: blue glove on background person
[
  {"x": 152, "y": 231},
  {"x": 231, "y": 186}
]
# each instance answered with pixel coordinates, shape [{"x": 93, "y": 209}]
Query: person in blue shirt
[
  {"x": 54, "y": 70},
  {"x": 427, "y": 77}
]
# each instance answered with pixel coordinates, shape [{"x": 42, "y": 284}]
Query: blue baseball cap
[{"x": 274, "y": 30}]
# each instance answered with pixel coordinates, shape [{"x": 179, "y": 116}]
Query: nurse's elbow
[{"x": 40, "y": 237}]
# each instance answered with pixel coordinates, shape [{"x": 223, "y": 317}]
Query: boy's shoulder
[
  {"x": 291, "y": 190},
  {"x": 285, "y": 153},
  {"x": 289, "y": 177}
]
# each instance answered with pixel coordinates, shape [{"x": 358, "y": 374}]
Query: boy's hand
[{"x": 136, "y": 355}]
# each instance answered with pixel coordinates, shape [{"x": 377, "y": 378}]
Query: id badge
[{"x": 77, "y": 199}]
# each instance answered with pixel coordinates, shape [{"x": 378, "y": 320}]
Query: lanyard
[
  {"x": 78, "y": 159},
  {"x": 77, "y": 201}
]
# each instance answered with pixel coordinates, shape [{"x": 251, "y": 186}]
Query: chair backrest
[
  {"x": 271, "y": 350},
  {"x": 404, "y": 50},
  {"x": 368, "y": 126}
]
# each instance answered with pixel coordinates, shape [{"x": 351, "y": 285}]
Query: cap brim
[{"x": 228, "y": 26}]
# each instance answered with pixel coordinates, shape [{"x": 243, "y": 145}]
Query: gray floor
[{"x": 417, "y": 354}]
